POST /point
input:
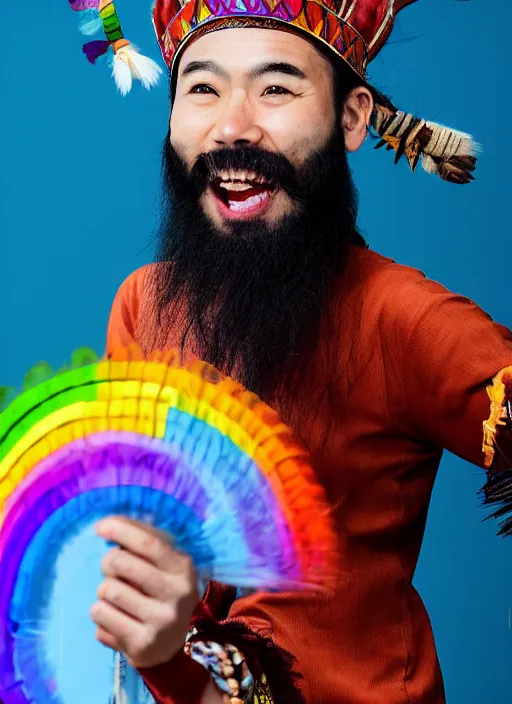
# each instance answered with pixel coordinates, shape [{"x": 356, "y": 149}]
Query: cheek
[
  {"x": 188, "y": 132},
  {"x": 296, "y": 137}
]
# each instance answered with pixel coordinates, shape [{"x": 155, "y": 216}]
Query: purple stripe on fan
[
  {"x": 117, "y": 459},
  {"x": 79, "y": 5},
  {"x": 152, "y": 465},
  {"x": 151, "y": 462},
  {"x": 121, "y": 459}
]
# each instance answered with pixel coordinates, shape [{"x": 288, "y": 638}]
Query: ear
[{"x": 356, "y": 117}]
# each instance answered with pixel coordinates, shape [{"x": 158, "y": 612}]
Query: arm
[
  {"x": 149, "y": 600},
  {"x": 181, "y": 680},
  {"x": 441, "y": 354},
  {"x": 211, "y": 670}
]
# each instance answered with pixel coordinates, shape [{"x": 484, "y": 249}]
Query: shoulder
[
  {"x": 130, "y": 294},
  {"x": 382, "y": 274},
  {"x": 403, "y": 299},
  {"x": 134, "y": 284},
  {"x": 126, "y": 307},
  {"x": 391, "y": 287}
]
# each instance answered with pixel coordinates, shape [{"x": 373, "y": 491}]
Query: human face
[{"x": 251, "y": 87}]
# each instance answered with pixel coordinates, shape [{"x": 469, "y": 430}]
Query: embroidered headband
[{"x": 353, "y": 30}]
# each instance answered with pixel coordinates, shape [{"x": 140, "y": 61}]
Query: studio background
[{"x": 79, "y": 188}]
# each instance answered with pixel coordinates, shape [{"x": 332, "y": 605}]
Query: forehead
[{"x": 240, "y": 49}]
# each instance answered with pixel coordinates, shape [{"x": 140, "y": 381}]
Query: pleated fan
[{"x": 179, "y": 446}]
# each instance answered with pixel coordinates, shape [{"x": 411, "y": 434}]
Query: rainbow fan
[{"x": 181, "y": 447}]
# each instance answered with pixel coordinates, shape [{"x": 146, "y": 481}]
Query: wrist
[
  {"x": 163, "y": 658},
  {"x": 180, "y": 680}
]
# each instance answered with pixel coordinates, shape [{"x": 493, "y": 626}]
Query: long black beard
[{"x": 251, "y": 301}]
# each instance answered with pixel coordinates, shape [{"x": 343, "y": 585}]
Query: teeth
[
  {"x": 229, "y": 186},
  {"x": 233, "y": 175},
  {"x": 248, "y": 204}
]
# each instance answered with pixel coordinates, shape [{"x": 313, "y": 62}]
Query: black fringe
[
  {"x": 498, "y": 492},
  {"x": 262, "y": 655}
]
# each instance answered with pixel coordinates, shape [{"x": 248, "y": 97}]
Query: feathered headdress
[
  {"x": 354, "y": 30},
  {"x": 101, "y": 15}
]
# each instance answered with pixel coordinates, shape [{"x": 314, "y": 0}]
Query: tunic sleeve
[
  {"x": 122, "y": 325},
  {"x": 441, "y": 353},
  {"x": 237, "y": 654}
]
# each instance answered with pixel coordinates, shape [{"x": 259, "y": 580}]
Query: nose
[{"x": 236, "y": 125}]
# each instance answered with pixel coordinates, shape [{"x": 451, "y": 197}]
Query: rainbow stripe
[{"x": 182, "y": 447}]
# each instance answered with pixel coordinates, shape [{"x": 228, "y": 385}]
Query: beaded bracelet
[{"x": 226, "y": 666}]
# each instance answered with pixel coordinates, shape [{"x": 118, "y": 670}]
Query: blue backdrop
[{"x": 78, "y": 208}]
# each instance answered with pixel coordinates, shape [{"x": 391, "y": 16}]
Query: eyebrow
[
  {"x": 257, "y": 72},
  {"x": 277, "y": 67},
  {"x": 209, "y": 66}
]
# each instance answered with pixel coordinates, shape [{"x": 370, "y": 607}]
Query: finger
[
  {"x": 119, "y": 625},
  {"x": 143, "y": 540},
  {"x": 107, "y": 639},
  {"x": 147, "y": 527},
  {"x": 129, "y": 600},
  {"x": 122, "y": 565}
]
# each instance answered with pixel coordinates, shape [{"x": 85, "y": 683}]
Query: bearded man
[{"x": 263, "y": 273}]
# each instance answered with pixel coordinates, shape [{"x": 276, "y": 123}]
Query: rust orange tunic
[{"x": 410, "y": 373}]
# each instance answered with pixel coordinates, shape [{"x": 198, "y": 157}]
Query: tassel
[
  {"x": 443, "y": 151},
  {"x": 93, "y": 50},
  {"x": 90, "y": 22},
  {"x": 129, "y": 64}
]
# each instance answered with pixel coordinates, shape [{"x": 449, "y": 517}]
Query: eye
[
  {"x": 276, "y": 90},
  {"x": 203, "y": 89}
]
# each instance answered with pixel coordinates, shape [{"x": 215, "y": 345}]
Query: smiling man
[{"x": 263, "y": 273}]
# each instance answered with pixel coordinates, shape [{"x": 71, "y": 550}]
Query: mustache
[{"x": 271, "y": 167}]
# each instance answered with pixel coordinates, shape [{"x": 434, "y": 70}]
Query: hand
[{"x": 148, "y": 596}]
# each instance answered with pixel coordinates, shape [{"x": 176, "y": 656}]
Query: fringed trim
[
  {"x": 450, "y": 154},
  {"x": 496, "y": 393},
  {"x": 270, "y": 665},
  {"x": 498, "y": 488}
]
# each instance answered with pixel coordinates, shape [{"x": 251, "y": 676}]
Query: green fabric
[{"x": 45, "y": 392}]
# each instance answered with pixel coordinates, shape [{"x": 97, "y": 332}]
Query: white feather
[
  {"x": 446, "y": 143},
  {"x": 429, "y": 164},
  {"x": 122, "y": 73},
  {"x": 145, "y": 69},
  {"x": 129, "y": 64}
]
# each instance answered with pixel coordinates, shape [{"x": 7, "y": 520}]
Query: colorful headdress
[{"x": 353, "y": 30}]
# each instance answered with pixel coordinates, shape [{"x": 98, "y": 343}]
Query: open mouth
[{"x": 241, "y": 194}]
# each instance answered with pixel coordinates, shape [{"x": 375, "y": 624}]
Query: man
[{"x": 262, "y": 272}]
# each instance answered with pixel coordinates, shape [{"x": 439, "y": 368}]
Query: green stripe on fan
[{"x": 33, "y": 405}]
